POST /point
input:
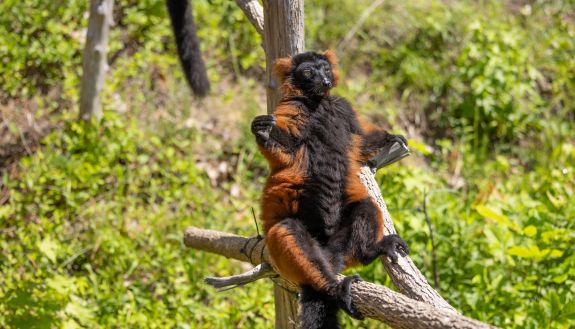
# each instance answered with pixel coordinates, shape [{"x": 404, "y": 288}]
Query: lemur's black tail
[
  {"x": 188, "y": 45},
  {"x": 317, "y": 310}
]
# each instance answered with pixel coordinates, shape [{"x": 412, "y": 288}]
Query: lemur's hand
[
  {"x": 392, "y": 246},
  {"x": 396, "y": 138},
  {"x": 262, "y": 126}
]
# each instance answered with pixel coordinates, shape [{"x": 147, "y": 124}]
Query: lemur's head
[{"x": 309, "y": 73}]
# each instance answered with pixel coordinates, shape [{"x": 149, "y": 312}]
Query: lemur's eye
[{"x": 307, "y": 74}]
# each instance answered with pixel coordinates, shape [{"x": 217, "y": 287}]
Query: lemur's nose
[{"x": 326, "y": 83}]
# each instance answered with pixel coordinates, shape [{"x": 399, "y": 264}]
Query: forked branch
[
  {"x": 374, "y": 301},
  {"x": 254, "y": 12}
]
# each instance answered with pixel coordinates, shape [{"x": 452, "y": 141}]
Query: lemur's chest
[
  {"x": 329, "y": 140},
  {"x": 329, "y": 127}
]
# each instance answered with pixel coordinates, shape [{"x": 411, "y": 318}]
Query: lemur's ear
[
  {"x": 282, "y": 68},
  {"x": 332, "y": 59}
]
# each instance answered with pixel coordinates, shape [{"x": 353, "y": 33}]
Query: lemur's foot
[
  {"x": 391, "y": 245},
  {"x": 397, "y": 138},
  {"x": 346, "y": 303},
  {"x": 262, "y": 126}
]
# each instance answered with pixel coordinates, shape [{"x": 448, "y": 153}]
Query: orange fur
[
  {"x": 282, "y": 189},
  {"x": 289, "y": 118},
  {"x": 367, "y": 126},
  {"x": 354, "y": 188},
  {"x": 282, "y": 67},
  {"x": 294, "y": 266}
]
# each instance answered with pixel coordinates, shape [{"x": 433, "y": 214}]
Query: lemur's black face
[{"x": 312, "y": 73}]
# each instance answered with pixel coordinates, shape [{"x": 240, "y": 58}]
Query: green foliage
[
  {"x": 94, "y": 228},
  {"x": 91, "y": 231},
  {"x": 504, "y": 246},
  {"x": 40, "y": 44},
  {"x": 473, "y": 72}
]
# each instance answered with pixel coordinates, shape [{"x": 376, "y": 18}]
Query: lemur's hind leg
[
  {"x": 364, "y": 224},
  {"x": 298, "y": 255},
  {"x": 300, "y": 258}
]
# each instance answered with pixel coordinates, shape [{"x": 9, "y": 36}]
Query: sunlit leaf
[
  {"x": 530, "y": 230},
  {"x": 49, "y": 248}
]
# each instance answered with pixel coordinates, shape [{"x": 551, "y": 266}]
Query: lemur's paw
[
  {"x": 262, "y": 126},
  {"x": 346, "y": 303},
  {"x": 391, "y": 245},
  {"x": 397, "y": 139}
]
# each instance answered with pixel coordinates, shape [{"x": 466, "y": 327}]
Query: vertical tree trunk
[
  {"x": 95, "y": 62},
  {"x": 283, "y": 36}
]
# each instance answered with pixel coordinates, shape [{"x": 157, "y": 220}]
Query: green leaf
[
  {"x": 530, "y": 252},
  {"x": 61, "y": 284},
  {"x": 530, "y": 230},
  {"x": 555, "y": 253},
  {"x": 49, "y": 248},
  {"x": 561, "y": 278},
  {"x": 78, "y": 309},
  {"x": 568, "y": 311},
  {"x": 495, "y": 215}
]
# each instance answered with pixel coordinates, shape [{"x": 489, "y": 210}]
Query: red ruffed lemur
[{"x": 318, "y": 216}]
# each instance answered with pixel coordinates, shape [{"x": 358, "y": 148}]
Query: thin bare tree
[{"x": 95, "y": 63}]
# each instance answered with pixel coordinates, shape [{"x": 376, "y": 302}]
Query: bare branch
[
  {"x": 255, "y": 13},
  {"x": 374, "y": 301},
  {"x": 95, "y": 63},
  {"x": 261, "y": 271}
]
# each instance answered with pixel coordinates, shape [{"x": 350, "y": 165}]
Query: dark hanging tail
[
  {"x": 317, "y": 310},
  {"x": 188, "y": 45}
]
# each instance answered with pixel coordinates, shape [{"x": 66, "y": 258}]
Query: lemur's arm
[
  {"x": 375, "y": 138},
  {"x": 278, "y": 135}
]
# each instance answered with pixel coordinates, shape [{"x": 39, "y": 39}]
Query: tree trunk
[
  {"x": 283, "y": 36},
  {"x": 95, "y": 62}
]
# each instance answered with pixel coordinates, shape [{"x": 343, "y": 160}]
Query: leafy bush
[
  {"x": 98, "y": 215},
  {"x": 92, "y": 224},
  {"x": 40, "y": 43}
]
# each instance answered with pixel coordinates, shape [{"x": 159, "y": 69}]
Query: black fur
[
  {"x": 377, "y": 139},
  {"x": 312, "y": 73},
  {"x": 327, "y": 137},
  {"x": 188, "y": 45},
  {"x": 318, "y": 311}
]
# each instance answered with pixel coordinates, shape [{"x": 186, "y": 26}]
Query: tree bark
[
  {"x": 254, "y": 12},
  {"x": 283, "y": 36},
  {"x": 95, "y": 64},
  {"x": 405, "y": 275},
  {"x": 374, "y": 301}
]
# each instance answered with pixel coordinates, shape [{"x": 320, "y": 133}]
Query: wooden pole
[
  {"x": 283, "y": 36},
  {"x": 95, "y": 63}
]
